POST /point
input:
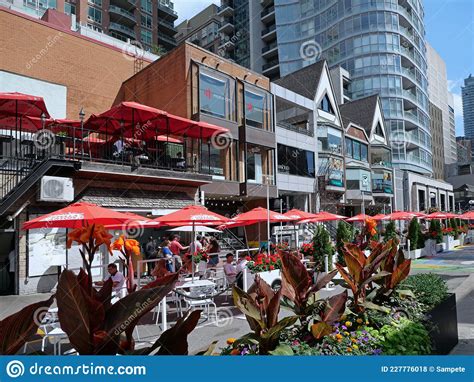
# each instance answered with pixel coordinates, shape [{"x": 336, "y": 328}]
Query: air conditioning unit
[{"x": 56, "y": 189}]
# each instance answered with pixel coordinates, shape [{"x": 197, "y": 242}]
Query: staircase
[
  {"x": 18, "y": 176},
  {"x": 228, "y": 241}
]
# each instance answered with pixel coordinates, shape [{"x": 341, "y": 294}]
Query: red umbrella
[
  {"x": 467, "y": 215},
  {"x": 324, "y": 216},
  {"x": 401, "y": 215},
  {"x": 29, "y": 124},
  {"x": 77, "y": 215},
  {"x": 297, "y": 215},
  {"x": 164, "y": 138},
  {"x": 359, "y": 218},
  {"x": 135, "y": 222},
  {"x": 257, "y": 215},
  {"x": 379, "y": 217},
  {"x": 192, "y": 215},
  {"x": 21, "y": 105},
  {"x": 441, "y": 215}
]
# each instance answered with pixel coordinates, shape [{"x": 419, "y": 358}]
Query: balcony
[
  {"x": 167, "y": 11},
  {"x": 122, "y": 16},
  {"x": 163, "y": 39},
  {"x": 227, "y": 26},
  {"x": 225, "y": 10},
  {"x": 269, "y": 33},
  {"x": 227, "y": 46},
  {"x": 268, "y": 15},
  {"x": 167, "y": 26},
  {"x": 271, "y": 67},
  {"x": 269, "y": 51},
  {"x": 306, "y": 129},
  {"x": 122, "y": 29}
]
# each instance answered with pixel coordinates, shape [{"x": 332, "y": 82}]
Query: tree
[
  {"x": 344, "y": 234},
  {"x": 390, "y": 231},
  {"x": 322, "y": 246},
  {"x": 413, "y": 234},
  {"x": 435, "y": 231},
  {"x": 455, "y": 226}
]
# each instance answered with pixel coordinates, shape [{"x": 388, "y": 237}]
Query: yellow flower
[
  {"x": 353, "y": 340},
  {"x": 349, "y": 350},
  {"x": 230, "y": 341},
  {"x": 346, "y": 333},
  {"x": 360, "y": 320},
  {"x": 367, "y": 322},
  {"x": 355, "y": 347},
  {"x": 348, "y": 323}
]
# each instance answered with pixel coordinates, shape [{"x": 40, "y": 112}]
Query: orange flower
[
  {"x": 370, "y": 226},
  {"x": 132, "y": 246},
  {"x": 101, "y": 235},
  {"x": 230, "y": 341},
  {"x": 235, "y": 352},
  {"x": 74, "y": 236},
  {"x": 117, "y": 245}
]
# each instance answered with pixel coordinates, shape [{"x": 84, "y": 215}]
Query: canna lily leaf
[
  {"x": 320, "y": 330},
  {"x": 246, "y": 305}
]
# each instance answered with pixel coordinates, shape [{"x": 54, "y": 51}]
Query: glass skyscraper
[
  {"x": 468, "y": 106},
  {"x": 382, "y": 45}
]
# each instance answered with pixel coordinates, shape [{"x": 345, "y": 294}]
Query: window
[
  {"x": 378, "y": 130},
  {"x": 94, "y": 15},
  {"x": 358, "y": 180},
  {"x": 69, "y": 9},
  {"x": 146, "y": 36},
  {"x": 258, "y": 108},
  {"x": 294, "y": 161},
  {"x": 382, "y": 182},
  {"x": 146, "y": 6},
  {"x": 330, "y": 139},
  {"x": 357, "y": 150},
  {"x": 333, "y": 170},
  {"x": 147, "y": 21},
  {"x": 216, "y": 94},
  {"x": 95, "y": 2},
  {"x": 326, "y": 105}
]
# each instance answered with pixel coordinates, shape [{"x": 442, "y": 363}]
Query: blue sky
[{"x": 449, "y": 29}]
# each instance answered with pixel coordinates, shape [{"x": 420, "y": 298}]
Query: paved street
[{"x": 456, "y": 267}]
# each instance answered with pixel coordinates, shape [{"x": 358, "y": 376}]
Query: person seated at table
[
  {"x": 240, "y": 268},
  {"x": 117, "y": 277},
  {"x": 117, "y": 148},
  {"x": 229, "y": 268},
  {"x": 180, "y": 161},
  {"x": 167, "y": 255}
]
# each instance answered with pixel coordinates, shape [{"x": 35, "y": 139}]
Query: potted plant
[
  {"x": 415, "y": 237},
  {"x": 323, "y": 250},
  {"x": 439, "y": 308},
  {"x": 435, "y": 233},
  {"x": 267, "y": 266}
]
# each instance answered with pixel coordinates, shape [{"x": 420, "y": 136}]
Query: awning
[
  {"x": 135, "y": 200},
  {"x": 132, "y": 119}
]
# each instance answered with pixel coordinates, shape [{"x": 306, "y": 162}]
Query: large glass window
[
  {"x": 382, "y": 182},
  {"x": 326, "y": 105},
  {"x": 295, "y": 161},
  {"x": 258, "y": 108},
  {"x": 357, "y": 150},
  {"x": 333, "y": 171},
  {"x": 216, "y": 94},
  {"x": 220, "y": 163},
  {"x": 330, "y": 139}
]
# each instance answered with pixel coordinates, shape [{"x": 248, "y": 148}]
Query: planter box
[
  {"x": 272, "y": 278},
  {"x": 413, "y": 253},
  {"x": 440, "y": 247},
  {"x": 450, "y": 243},
  {"x": 444, "y": 333},
  {"x": 430, "y": 248}
]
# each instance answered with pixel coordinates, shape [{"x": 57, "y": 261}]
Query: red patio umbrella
[
  {"x": 379, "y": 217},
  {"x": 401, "y": 215},
  {"x": 441, "y": 215},
  {"x": 467, "y": 215},
  {"x": 22, "y": 105},
  {"x": 257, "y": 215},
  {"x": 77, "y": 215},
  {"x": 28, "y": 124},
  {"x": 324, "y": 216},
  {"x": 297, "y": 215},
  {"x": 135, "y": 222},
  {"x": 359, "y": 218}
]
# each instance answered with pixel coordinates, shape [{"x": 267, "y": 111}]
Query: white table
[{"x": 195, "y": 283}]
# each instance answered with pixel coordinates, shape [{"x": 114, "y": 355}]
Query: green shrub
[
  {"x": 322, "y": 246},
  {"x": 413, "y": 233},
  {"x": 454, "y": 224},
  {"x": 429, "y": 288},
  {"x": 390, "y": 231},
  {"x": 345, "y": 234},
  {"x": 435, "y": 231},
  {"x": 405, "y": 337}
]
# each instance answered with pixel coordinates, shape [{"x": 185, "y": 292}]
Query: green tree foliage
[
  {"x": 345, "y": 234},
  {"x": 322, "y": 246},
  {"x": 390, "y": 231},
  {"x": 436, "y": 232},
  {"x": 415, "y": 235}
]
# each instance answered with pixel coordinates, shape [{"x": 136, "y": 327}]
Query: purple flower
[
  {"x": 344, "y": 327},
  {"x": 377, "y": 351}
]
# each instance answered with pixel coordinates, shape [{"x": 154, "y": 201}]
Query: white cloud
[{"x": 188, "y": 8}]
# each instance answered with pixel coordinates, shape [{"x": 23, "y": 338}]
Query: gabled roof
[
  {"x": 360, "y": 111},
  {"x": 304, "y": 81}
]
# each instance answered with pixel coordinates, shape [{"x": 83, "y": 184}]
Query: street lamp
[{"x": 268, "y": 178}]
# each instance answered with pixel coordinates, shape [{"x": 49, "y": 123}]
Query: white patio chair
[{"x": 194, "y": 301}]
